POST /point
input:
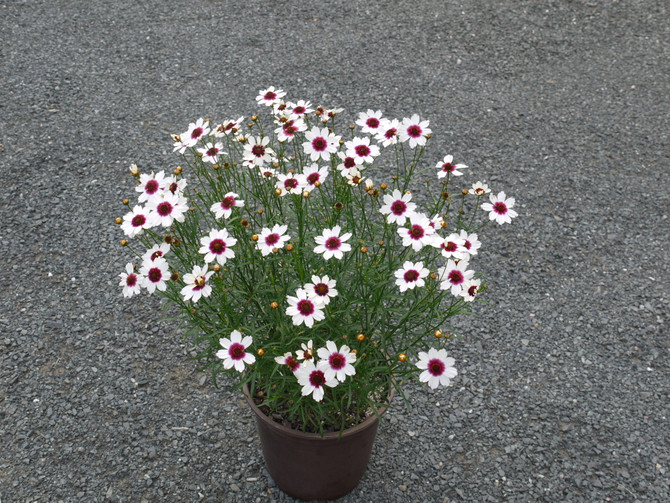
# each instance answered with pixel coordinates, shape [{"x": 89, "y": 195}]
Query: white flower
[
  {"x": 130, "y": 281},
  {"x": 137, "y": 220},
  {"x": 321, "y": 289},
  {"x": 155, "y": 252},
  {"x": 291, "y": 183},
  {"x": 196, "y": 130},
  {"x": 225, "y": 208},
  {"x": 307, "y": 351},
  {"x": 453, "y": 276},
  {"x": 313, "y": 380},
  {"x": 471, "y": 242},
  {"x": 287, "y": 130},
  {"x": 270, "y": 239},
  {"x": 397, "y": 207},
  {"x": 234, "y": 352},
  {"x": 302, "y": 309},
  {"x": 453, "y": 246},
  {"x": 196, "y": 284},
  {"x": 388, "y": 132},
  {"x": 297, "y": 110},
  {"x": 348, "y": 163},
  {"x": 335, "y": 362},
  {"x": 211, "y": 151},
  {"x": 168, "y": 208},
  {"x": 151, "y": 186},
  {"x": 229, "y": 127},
  {"x": 446, "y": 167},
  {"x": 438, "y": 368},
  {"x": 289, "y": 360},
  {"x": 479, "y": 189},
  {"x": 500, "y": 208},
  {"x": 370, "y": 121},
  {"x": 270, "y": 96},
  {"x": 470, "y": 289},
  {"x": 175, "y": 186},
  {"x": 314, "y": 174},
  {"x": 419, "y": 234},
  {"x": 331, "y": 244},
  {"x": 216, "y": 246},
  {"x": 257, "y": 153},
  {"x": 361, "y": 150},
  {"x": 320, "y": 143},
  {"x": 154, "y": 274},
  {"x": 415, "y": 130},
  {"x": 411, "y": 275}
]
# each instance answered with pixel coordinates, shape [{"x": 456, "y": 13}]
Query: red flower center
[
  {"x": 451, "y": 246},
  {"x": 391, "y": 133},
  {"x": 337, "y": 361},
  {"x": 447, "y": 166},
  {"x": 333, "y": 243},
  {"x": 270, "y": 96},
  {"x": 299, "y": 110},
  {"x": 292, "y": 363},
  {"x": 349, "y": 162},
  {"x": 362, "y": 150},
  {"x": 164, "y": 209},
  {"x": 319, "y": 144},
  {"x": 272, "y": 239},
  {"x": 154, "y": 275},
  {"x": 227, "y": 203},
  {"x": 305, "y": 307},
  {"x": 411, "y": 275},
  {"x": 414, "y": 131},
  {"x": 236, "y": 351},
  {"x": 321, "y": 289},
  {"x": 455, "y": 277},
  {"x": 196, "y": 133},
  {"x": 398, "y": 207},
  {"x": 258, "y": 150},
  {"x": 212, "y": 151},
  {"x": 217, "y": 246},
  {"x": 156, "y": 254},
  {"x": 312, "y": 178},
  {"x": 500, "y": 208},
  {"x": 131, "y": 280},
  {"x": 472, "y": 291},
  {"x": 317, "y": 378},
  {"x": 436, "y": 367},
  {"x": 290, "y": 183},
  {"x": 138, "y": 220},
  {"x": 416, "y": 232},
  {"x": 151, "y": 187},
  {"x": 467, "y": 244},
  {"x": 372, "y": 122}
]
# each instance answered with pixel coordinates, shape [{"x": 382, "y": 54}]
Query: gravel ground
[{"x": 563, "y": 387}]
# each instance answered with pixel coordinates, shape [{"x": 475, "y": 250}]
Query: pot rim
[{"x": 334, "y": 435}]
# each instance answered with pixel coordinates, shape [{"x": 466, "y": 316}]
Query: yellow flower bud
[
  {"x": 360, "y": 337},
  {"x": 119, "y": 220},
  {"x": 438, "y": 333},
  {"x": 124, "y": 243},
  {"x": 402, "y": 357},
  {"x": 260, "y": 352},
  {"x": 254, "y": 237},
  {"x": 274, "y": 305}
]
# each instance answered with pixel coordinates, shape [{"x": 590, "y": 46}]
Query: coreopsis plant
[{"x": 296, "y": 272}]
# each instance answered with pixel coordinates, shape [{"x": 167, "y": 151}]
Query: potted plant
[{"x": 318, "y": 290}]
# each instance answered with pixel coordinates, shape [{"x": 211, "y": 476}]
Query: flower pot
[{"x": 309, "y": 466}]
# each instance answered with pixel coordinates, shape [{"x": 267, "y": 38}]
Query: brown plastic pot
[{"x": 309, "y": 466}]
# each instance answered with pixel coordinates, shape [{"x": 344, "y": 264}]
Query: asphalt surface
[{"x": 563, "y": 386}]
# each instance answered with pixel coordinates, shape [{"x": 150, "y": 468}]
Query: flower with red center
[
  {"x": 397, "y": 207},
  {"x": 438, "y": 368},
  {"x": 331, "y": 244},
  {"x": 211, "y": 151},
  {"x": 196, "y": 284},
  {"x": 225, "y": 208},
  {"x": 500, "y": 208},
  {"x": 336, "y": 363},
  {"x": 288, "y": 360},
  {"x": 314, "y": 174},
  {"x": 470, "y": 289},
  {"x": 361, "y": 150},
  {"x": 313, "y": 380},
  {"x": 479, "y": 189},
  {"x": 388, "y": 132},
  {"x": 321, "y": 289},
  {"x": 196, "y": 130},
  {"x": 453, "y": 246},
  {"x": 227, "y": 128},
  {"x": 156, "y": 251},
  {"x": 415, "y": 131},
  {"x": 419, "y": 234},
  {"x": 269, "y": 239},
  {"x": 348, "y": 163},
  {"x": 216, "y": 246},
  {"x": 287, "y": 130},
  {"x": 174, "y": 185},
  {"x": 302, "y": 309},
  {"x": 137, "y": 220},
  {"x": 234, "y": 352},
  {"x": 297, "y": 110},
  {"x": 370, "y": 121},
  {"x": 453, "y": 276},
  {"x": 270, "y": 96},
  {"x": 168, "y": 208},
  {"x": 320, "y": 143},
  {"x": 155, "y": 274},
  {"x": 151, "y": 186},
  {"x": 470, "y": 242},
  {"x": 307, "y": 351},
  {"x": 130, "y": 281},
  {"x": 447, "y": 167},
  {"x": 257, "y": 153},
  {"x": 411, "y": 275},
  {"x": 291, "y": 184}
]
